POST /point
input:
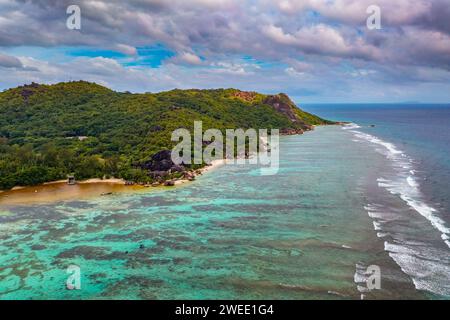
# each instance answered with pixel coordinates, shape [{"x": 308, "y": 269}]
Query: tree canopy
[{"x": 82, "y": 128}]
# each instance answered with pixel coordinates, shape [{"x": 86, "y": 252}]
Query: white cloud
[
  {"x": 293, "y": 72},
  {"x": 186, "y": 58},
  {"x": 7, "y": 61},
  {"x": 320, "y": 40},
  {"x": 125, "y": 49}
]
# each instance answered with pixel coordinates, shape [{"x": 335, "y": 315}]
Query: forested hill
[{"x": 82, "y": 128}]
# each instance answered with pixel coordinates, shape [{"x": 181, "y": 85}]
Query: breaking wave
[
  {"x": 428, "y": 266},
  {"x": 405, "y": 184}
]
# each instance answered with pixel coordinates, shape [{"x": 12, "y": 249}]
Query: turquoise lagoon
[{"x": 308, "y": 232}]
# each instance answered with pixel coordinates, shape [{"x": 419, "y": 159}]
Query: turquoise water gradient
[{"x": 232, "y": 234}]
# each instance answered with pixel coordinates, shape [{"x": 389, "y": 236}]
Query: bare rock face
[
  {"x": 245, "y": 95},
  {"x": 189, "y": 176},
  {"x": 28, "y": 90},
  {"x": 161, "y": 165},
  {"x": 282, "y": 104},
  {"x": 160, "y": 161},
  {"x": 177, "y": 168},
  {"x": 289, "y": 132},
  {"x": 162, "y": 155}
]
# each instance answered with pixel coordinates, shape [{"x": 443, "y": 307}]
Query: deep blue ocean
[
  {"x": 416, "y": 142},
  {"x": 421, "y": 131}
]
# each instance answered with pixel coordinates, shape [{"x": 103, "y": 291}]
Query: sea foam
[
  {"x": 404, "y": 184},
  {"x": 428, "y": 267}
]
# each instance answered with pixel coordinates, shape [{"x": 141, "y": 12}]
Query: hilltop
[{"x": 49, "y": 131}]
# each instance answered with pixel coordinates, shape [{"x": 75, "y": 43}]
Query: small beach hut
[{"x": 70, "y": 180}]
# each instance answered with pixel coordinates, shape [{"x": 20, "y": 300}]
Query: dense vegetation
[{"x": 81, "y": 128}]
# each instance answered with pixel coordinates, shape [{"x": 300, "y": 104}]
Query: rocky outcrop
[
  {"x": 158, "y": 175},
  {"x": 290, "y": 132},
  {"x": 245, "y": 95},
  {"x": 161, "y": 167},
  {"x": 28, "y": 90},
  {"x": 160, "y": 161},
  {"x": 282, "y": 104},
  {"x": 169, "y": 183}
]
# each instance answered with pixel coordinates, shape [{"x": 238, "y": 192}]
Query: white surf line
[{"x": 408, "y": 189}]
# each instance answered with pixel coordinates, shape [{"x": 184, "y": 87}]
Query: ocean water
[
  {"x": 345, "y": 198},
  {"x": 416, "y": 141}
]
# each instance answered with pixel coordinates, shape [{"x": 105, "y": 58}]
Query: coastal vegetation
[{"x": 50, "y": 131}]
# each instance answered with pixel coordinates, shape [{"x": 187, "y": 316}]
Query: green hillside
[{"x": 49, "y": 131}]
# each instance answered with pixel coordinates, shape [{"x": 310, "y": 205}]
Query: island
[{"x": 80, "y": 130}]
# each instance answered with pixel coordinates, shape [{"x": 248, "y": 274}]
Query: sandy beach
[
  {"x": 214, "y": 164},
  {"x": 55, "y": 191},
  {"x": 61, "y": 191}
]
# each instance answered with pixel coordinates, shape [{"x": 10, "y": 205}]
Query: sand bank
[{"x": 56, "y": 191}]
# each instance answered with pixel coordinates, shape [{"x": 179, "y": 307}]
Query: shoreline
[
  {"x": 55, "y": 191},
  {"x": 117, "y": 185},
  {"x": 87, "y": 181},
  {"x": 92, "y": 180},
  {"x": 178, "y": 181},
  {"x": 404, "y": 186},
  {"x": 214, "y": 164}
]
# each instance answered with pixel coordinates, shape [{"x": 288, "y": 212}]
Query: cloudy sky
[{"x": 314, "y": 50}]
